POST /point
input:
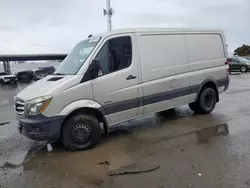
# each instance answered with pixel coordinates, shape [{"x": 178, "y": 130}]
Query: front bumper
[{"x": 41, "y": 128}]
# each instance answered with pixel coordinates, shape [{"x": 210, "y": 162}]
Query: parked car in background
[
  {"x": 6, "y": 78},
  {"x": 41, "y": 72},
  {"x": 239, "y": 64},
  {"x": 36, "y": 74},
  {"x": 25, "y": 76}
]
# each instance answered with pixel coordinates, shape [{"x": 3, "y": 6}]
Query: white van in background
[{"x": 121, "y": 75}]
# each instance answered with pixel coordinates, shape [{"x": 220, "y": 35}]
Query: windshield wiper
[{"x": 58, "y": 74}]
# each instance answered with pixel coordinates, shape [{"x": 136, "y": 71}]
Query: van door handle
[{"x": 130, "y": 77}]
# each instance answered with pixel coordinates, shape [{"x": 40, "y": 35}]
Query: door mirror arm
[{"x": 94, "y": 68}]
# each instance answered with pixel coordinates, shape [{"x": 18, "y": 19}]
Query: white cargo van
[{"x": 121, "y": 75}]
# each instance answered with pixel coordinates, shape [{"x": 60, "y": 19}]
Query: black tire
[
  {"x": 168, "y": 112},
  {"x": 194, "y": 107},
  {"x": 89, "y": 135},
  {"x": 206, "y": 101},
  {"x": 243, "y": 68}
]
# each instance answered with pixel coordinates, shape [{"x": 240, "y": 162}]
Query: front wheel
[
  {"x": 206, "y": 101},
  {"x": 243, "y": 69},
  {"x": 81, "y": 132}
]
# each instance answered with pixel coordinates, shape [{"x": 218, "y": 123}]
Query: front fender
[{"x": 85, "y": 103}]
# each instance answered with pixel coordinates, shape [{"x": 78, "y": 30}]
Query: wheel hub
[
  {"x": 208, "y": 99},
  {"x": 81, "y": 133},
  {"x": 243, "y": 69}
]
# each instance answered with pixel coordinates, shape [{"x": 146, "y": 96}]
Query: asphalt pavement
[{"x": 176, "y": 148}]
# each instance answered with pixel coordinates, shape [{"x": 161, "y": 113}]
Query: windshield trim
[{"x": 93, "y": 40}]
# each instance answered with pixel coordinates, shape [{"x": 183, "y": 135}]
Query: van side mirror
[{"x": 95, "y": 67}]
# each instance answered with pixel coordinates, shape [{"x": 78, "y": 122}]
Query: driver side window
[{"x": 115, "y": 55}]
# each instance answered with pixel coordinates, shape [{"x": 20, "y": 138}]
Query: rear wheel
[
  {"x": 206, "y": 101},
  {"x": 81, "y": 132},
  {"x": 194, "y": 107},
  {"x": 243, "y": 68}
]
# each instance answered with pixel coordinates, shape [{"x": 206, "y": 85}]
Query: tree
[{"x": 244, "y": 50}]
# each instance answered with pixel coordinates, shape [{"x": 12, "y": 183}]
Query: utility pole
[{"x": 109, "y": 13}]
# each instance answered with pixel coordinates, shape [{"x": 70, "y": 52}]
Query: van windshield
[{"x": 77, "y": 57}]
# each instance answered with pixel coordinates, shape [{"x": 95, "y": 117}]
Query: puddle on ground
[
  {"x": 171, "y": 125},
  {"x": 115, "y": 153},
  {"x": 206, "y": 134},
  {"x": 113, "y": 156},
  {"x": 118, "y": 151},
  {"x": 92, "y": 165}
]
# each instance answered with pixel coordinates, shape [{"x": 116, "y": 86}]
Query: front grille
[{"x": 19, "y": 107}]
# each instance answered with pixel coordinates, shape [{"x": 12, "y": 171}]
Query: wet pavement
[{"x": 172, "y": 149}]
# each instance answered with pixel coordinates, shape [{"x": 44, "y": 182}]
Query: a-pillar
[{"x": 6, "y": 66}]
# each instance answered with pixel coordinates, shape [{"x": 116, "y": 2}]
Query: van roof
[{"x": 149, "y": 30}]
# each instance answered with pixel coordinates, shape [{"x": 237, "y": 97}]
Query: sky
[{"x": 55, "y": 26}]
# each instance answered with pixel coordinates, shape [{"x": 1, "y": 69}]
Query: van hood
[{"x": 42, "y": 87}]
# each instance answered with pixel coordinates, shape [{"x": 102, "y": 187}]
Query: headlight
[{"x": 38, "y": 105}]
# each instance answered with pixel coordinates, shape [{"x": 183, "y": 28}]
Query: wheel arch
[
  {"x": 88, "y": 107},
  {"x": 208, "y": 82}
]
